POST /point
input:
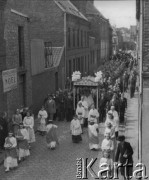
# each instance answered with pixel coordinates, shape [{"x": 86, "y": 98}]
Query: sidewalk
[{"x": 131, "y": 129}]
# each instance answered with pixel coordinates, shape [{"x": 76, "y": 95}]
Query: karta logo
[{"x": 85, "y": 169}]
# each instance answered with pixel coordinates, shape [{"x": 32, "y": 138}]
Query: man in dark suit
[
  {"x": 102, "y": 107},
  {"x": 50, "y": 107},
  {"x": 122, "y": 107},
  {"x": 124, "y": 154}
]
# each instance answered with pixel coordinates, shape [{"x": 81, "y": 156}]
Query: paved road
[{"x": 60, "y": 164}]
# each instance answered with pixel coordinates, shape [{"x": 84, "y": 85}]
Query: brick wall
[
  {"x": 145, "y": 120},
  {"x": 12, "y": 22},
  {"x": 46, "y": 20},
  {"x": 78, "y": 51},
  {"x": 44, "y": 83},
  {"x": 3, "y": 105},
  {"x": 46, "y": 23}
]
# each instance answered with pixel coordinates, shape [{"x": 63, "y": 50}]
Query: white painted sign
[{"x": 9, "y": 79}]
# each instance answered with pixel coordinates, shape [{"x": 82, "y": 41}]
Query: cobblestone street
[
  {"x": 55, "y": 165},
  {"x": 60, "y": 164}
]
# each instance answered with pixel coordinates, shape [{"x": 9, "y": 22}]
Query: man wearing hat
[
  {"x": 50, "y": 107},
  {"x": 124, "y": 154}
]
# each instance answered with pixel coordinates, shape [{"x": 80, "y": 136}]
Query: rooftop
[{"x": 69, "y": 8}]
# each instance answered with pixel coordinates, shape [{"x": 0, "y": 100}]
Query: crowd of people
[
  {"x": 117, "y": 79},
  {"x": 119, "y": 75}
]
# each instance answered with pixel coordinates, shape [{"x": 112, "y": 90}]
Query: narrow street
[{"x": 60, "y": 164}]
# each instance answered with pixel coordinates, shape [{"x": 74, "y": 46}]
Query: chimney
[{"x": 80, "y": 5}]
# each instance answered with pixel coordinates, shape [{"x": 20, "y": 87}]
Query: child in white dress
[
  {"x": 107, "y": 143},
  {"x": 105, "y": 162}
]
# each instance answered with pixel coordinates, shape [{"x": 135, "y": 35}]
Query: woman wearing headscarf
[
  {"x": 16, "y": 120},
  {"x": 23, "y": 146},
  {"x": 28, "y": 123},
  {"x": 42, "y": 116}
]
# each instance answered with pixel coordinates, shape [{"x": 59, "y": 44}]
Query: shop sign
[{"x": 9, "y": 80}]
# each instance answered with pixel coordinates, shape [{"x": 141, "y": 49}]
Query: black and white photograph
[{"x": 74, "y": 89}]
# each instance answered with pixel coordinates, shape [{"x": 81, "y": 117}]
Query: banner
[{"x": 9, "y": 79}]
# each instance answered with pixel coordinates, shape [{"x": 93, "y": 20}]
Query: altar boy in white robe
[
  {"x": 93, "y": 114},
  {"x": 76, "y": 131},
  {"x": 80, "y": 113}
]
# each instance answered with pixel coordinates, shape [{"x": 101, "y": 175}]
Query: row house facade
[
  {"x": 143, "y": 60},
  {"x": 100, "y": 28},
  {"x": 42, "y": 43}
]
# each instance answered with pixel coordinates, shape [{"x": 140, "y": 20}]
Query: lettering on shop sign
[{"x": 9, "y": 79}]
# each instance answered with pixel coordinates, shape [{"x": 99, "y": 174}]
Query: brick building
[
  {"x": 43, "y": 42},
  {"x": 37, "y": 65},
  {"x": 100, "y": 29},
  {"x": 143, "y": 58},
  {"x": 15, "y": 76}
]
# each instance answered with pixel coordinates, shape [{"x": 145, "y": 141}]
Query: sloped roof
[
  {"x": 91, "y": 9},
  {"x": 69, "y": 8},
  {"x": 57, "y": 55}
]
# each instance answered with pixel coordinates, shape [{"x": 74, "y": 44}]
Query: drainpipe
[
  {"x": 65, "y": 44},
  {"x": 141, "y": 83}
]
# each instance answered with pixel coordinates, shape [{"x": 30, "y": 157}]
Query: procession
[{"x": 85, "y": 104}]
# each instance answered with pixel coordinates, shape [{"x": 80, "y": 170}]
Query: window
[
  {"x": 74, "y": 66},
  {"x": 82, "y": 64},
  {"x": 84, "y": 38},
  {"x": 48, "y": 55},
  {"x": 21, "y": 45},
  {"x": 69, "y": 37},
  {"x": 85, "y": 65},
  {"x": 87, "y": 39},
  {"x": 88, "y": 63},
  {"x": 76, "y": 62},
  {"x": 70, "y": 70},
  {"x": 79, "y": 65},
  {"x": 93, "y": 57},
  {"x": 74, "y": 38},
  {"x": 78, "y": 38},
  {"x": 81, "y": 38}
]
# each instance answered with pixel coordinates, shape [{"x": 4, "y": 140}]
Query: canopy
[{"x": 87, "y": 81}]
